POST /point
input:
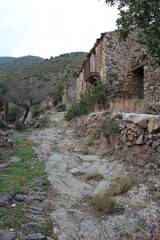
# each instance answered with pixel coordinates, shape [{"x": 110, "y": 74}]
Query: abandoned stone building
[{"x": 119, "y": 66}]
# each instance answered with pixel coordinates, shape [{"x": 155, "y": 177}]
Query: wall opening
[{"x": 138, "y": 82}]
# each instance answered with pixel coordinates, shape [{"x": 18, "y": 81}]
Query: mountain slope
[{"x": 8, "y": 64}]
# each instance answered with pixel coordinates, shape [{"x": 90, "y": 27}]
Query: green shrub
[
  {"x": 60, "y": 107},
  {"x": 14, "y": 112},
  {"x": 36, "y": 111},
  {"x": 76, "y": 110},
  {"x": 20, "y": 125},
  {"x": 88, "y": 100},
  {"x": 110, "y": 127}
]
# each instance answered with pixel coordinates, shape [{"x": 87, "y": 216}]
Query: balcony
[{"x": 90, "y": 74}]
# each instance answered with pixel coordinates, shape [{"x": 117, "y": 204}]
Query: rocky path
[{"x": 67, "y": 169}]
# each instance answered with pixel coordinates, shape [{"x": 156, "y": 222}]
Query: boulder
[
  {"x": 140, "y": 140},
  {"x": 36, "y": 236},
  {"x": 154, "y": 124},
  {"x": 32, "y": 226},
  {"x": 4, "y": 199},
  {"x": 6, "y": 235}
]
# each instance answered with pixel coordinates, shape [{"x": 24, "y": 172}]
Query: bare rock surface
[
  {"x": 6, "y": 235},
  {"x": 4, "y": 199},
  {"x": 73, "y": 218}
]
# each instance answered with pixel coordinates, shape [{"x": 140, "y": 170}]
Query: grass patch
[
  {"x": 19, "y": 177},
  {"x": 84, "y": 152},
  {"x": 94, "y": 176},
  {"x": 23, "y": 149},
  {"x": 120, "y": 185},
  {"x": 11, "y": 218},
  {"x": 104, "y": 203}
]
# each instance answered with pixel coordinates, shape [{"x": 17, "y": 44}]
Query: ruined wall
[
  {"x": 100, "y": 58},
  {"x": 69, "y": 95},
  {"x": 81, "y": 85},
  {"x": 121, "y": 58},
  {"x": 121, "y": 80},
  {"x": 118, "y": 65},
  {"x": 152, "y": 84}
]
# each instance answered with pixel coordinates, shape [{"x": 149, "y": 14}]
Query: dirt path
[{"x": 73, "y": 218}]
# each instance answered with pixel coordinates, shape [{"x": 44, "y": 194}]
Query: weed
[
  {"x": 84, "y": 152},
  {"x": 110, "y": 127},
  {"x": 104, "y": 203},
  {"x": 44, "y": 227},
  {"x": 118, "y": 115},
  {"x": 89, "y": 141},
  {"x": 94, "y": 176},
  {"x": 119, "y": 186}
]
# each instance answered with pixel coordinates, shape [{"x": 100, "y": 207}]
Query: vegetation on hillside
[
  {"x": 8, "y": 64},
  {"x": 144, "y": 16},
  {"x": 31, "y": 85}
]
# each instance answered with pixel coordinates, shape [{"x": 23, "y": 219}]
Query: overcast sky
[{"x": 51, "y": 27}]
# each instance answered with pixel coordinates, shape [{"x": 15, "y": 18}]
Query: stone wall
[
  {"x": 69, "y": 95},
  {"x": 100, "y": 58},
  {"x": 152, "y": 84},
  {"x": 81, "y": 85},
  {"x": 121, "y": 58},
  {"x": 138, "y": 134}
]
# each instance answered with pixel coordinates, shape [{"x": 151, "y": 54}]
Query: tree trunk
[{"x": 27, "y": 109}]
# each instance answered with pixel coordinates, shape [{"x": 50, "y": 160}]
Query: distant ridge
[{"x": 8, "y": 64}]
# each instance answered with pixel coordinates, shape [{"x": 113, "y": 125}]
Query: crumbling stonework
[
  {"x": 69, "y": 95},
  {"x": 137, "y": 135},
  {"x": 119, "y": 66}
]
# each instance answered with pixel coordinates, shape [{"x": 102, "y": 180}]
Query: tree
[
  {"x": 26, "y": 93},
  {"x": 144, "y": 16}
]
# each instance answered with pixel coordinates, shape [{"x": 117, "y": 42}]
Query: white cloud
[{"x": 52, "y": 27}]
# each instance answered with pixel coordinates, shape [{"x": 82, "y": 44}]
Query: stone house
[{"x": 119, "y": 66}]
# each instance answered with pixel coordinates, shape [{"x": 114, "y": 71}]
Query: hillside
[
  {"x": 15, "y": 64},
  {"x": 63, "y": 67},
  {"x": 52, "y": 74}
]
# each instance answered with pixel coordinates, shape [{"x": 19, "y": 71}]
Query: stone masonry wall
[
  {"x": 100, "y": 58},
  {"x": 115, "y": 62},
  {"x": 69, "y": 95},
  {"x": 152, "y": 84},
  {"x": 121, "y": 58},
  {"x": 81, "y": 85},
  {"x": 138, "y": 134}
]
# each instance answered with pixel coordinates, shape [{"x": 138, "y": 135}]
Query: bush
[
  {"x": 14, "y": 112},
  {"x": 20, "y": 125},
  {"x": 89, "y": 99},
  {"x": 76, "y": 110},
  {"x": 36, "y": 111},
  {"x": 110, "y": 127},
  {"x": 60, "y": 107},
  {"x": 104, "y": 203}
]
